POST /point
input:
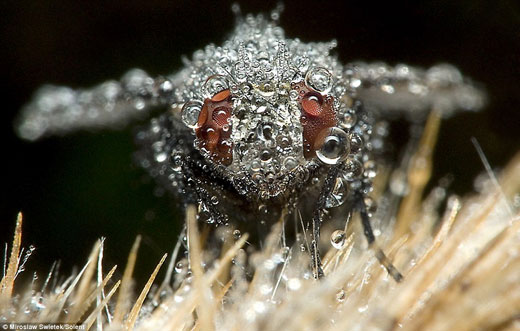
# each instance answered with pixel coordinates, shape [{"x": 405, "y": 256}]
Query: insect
[{"x": 260, "y": 124}]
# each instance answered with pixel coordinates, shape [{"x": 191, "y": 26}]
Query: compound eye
[
  {"x": 317, "y": 115},
  {"x": 312, "y": 103},
  {"x": 213, "y": 127}
]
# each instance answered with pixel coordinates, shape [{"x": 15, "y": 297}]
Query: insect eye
[
  {"x": 317, "y": 115},
  {"x": 213, "y": 127},
  {"x": 312, "y": 103}
]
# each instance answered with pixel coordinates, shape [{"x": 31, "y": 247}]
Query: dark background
[{"x": 75, "y": 189}]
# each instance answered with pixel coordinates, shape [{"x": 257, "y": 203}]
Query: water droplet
[
  {"x": 255, "y": 166},
  {"x": 356, "y": 143},
  {"x": 264, "y": 131},
  {"x": 294, "y": 284},
  {"x": 290, "y": 163},
  {"x": 338, "y": 238},
  {"x": 349, "y": 120},
  {"x": 371, "y": 205},
  {"x": 341, "y": 296},
  {"x": 320, "y": 79},
  {"x": 214, "y": 200},
  {"x": 334, "y": 146},
  {"x": 190, "y": 113},
  {"x": 237, "y": 234},
  {"x": 338, "y": 195},
  {"x": 214, "y": 84},
  {"x": 265, "y": 155},
  {"x": 353, "y": 169},
  {"x": 370, "y": 169},
  {"x": 161, "y": 157}
]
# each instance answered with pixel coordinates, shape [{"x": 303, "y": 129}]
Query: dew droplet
[
  {"x": 370, "y": 205},
  {"x": 320, "y": 79},
  {"x": 214, "y": 84},
  {"x": 237, "y": 234},
  {"x": 349, "y": 120},
  {"x": 338, "y": 195},
  {"x": 264, "y": 131},
  {"x": 341, "y": 296},
  {"x": 353, "y": 169},
  {"x": 334, "y": 146},
  {"x": 338, "y": 239},
  {"x": 356, "y": 142},
  {"x": 290, "y": 163},
  {"x": 190, "y": 113}
]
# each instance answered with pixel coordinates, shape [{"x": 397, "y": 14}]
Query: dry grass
[{"x": 463, "y": 274}]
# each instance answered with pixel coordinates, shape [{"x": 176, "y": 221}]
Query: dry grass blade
[
  {"x": 93, "y": 316},
  {"x": 124, "y": 294},
  {"x": 7, "y": 283},
  {"x": 129, "y": 323}
]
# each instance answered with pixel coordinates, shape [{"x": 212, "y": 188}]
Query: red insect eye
[
  {"x": 213, "y": 129},
  {"x": 317, "y": 114},
  {"x": 312, "y": 103},
  {"x": 221, "y": 116}
]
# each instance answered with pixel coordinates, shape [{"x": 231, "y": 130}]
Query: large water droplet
[
  {"x": 334, "y": 146},
  {"x": 190, "y": 113},
  {"x": 214, "y": 84},
  {"x": 320, "y": 79}
]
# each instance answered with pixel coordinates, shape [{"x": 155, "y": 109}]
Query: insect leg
[
  {"x": 112, "y": 104},
  {"x": 369, "y": 234},
  {"x": 328, "y": 185},
  {"x": 414, "y": 91}
]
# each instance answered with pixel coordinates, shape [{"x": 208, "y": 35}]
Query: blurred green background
[{"x": 78, "y": 188}]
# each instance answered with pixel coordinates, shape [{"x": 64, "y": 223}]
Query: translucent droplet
[
  {"x": 334, "y": 146},
  {"x": 294, "y": 284},
  {"x": 265, "y": 155},
  {"x": 370, "y": 169},
  {"x": 370, "y": 205},
  {"x": 338, "y": 195},
  {"x": 237, "y": 234},
  {"x": 214, "y": 84},
  {"x": 161, "y": 157},
  {"x": 353, "y": 169},
  {"x": 338, "y": 239},
  {"x": 290, "y": 163},
  {"x": 255, "y": 165},
  {"x": 341, "y": 296},
  {"x": 214, "y": 200},
  {"x": 356, "y": 143},
  {"x": 348, "y": 121},
  {"x": 190, "y": 113},
  {"x": 264, "y": 131},
  {"x": 319, "y": 79}
]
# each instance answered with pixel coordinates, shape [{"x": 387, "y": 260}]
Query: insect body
[{"x": 261, "y": 122}]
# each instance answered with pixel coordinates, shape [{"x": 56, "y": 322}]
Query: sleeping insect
[{"x": 260, "y": 124}]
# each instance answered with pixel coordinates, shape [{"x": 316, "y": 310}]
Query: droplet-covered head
[{"x": 263, "y": 107}]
